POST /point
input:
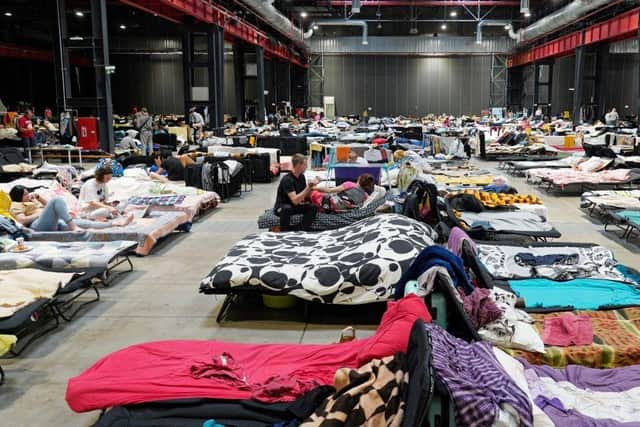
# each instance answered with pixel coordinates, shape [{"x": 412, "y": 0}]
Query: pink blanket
[
  {"x": 226, "y": 370},
  {"x": 572, "y": 176}
]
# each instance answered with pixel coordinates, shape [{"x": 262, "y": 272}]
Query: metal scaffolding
[
  {"x": 316, "y": 80},
  {"x": 499, "y": 81}
]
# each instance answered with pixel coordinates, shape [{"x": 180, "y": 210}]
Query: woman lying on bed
[
  {"x": 345, "y": 197},
  {"x": 34, "y": 211}
]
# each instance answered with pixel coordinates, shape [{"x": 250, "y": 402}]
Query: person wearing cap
[
  {"x": 197, "y": 123},
  {"x": 130, "y": 142},
  {"x": 144, "y": 123}
]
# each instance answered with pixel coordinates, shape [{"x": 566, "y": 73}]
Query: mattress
[
  {"x": 507, "y": 221},
  {"x": 66, "y": 256},
  {"x": 324, "y": 221},
  {"x": 145, "y": 231},
  {"x": 616, "y": 341},
  {"x": 357, "y": 264},
  {"x": 21, "y": 287},
  {"x": 612, "y": 199},
  {"x": 504, "y": 262}
]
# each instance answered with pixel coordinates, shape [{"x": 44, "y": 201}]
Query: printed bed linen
[
  {"x": 145, "y": 231},
  {"x": 138, "y": 184},
  {"x": 612, "y": 199},
  {"x": 19, "y": 288},
  {"x": 65, "y": 256},
  {"x": 572, "y": 176},
  {"x": 324, "y": 221},
  {"x": 551, "y": 262},
  {"x": 357, "y": 264},
  {"x": 616, "y": 341}
]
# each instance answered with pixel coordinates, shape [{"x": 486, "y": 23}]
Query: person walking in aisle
[
  {"x": 144, "y": 123},
  {"x": 197, "y": 124},
  {"x": 25, "y": 127},
  {"x": 611, "y": 118}
]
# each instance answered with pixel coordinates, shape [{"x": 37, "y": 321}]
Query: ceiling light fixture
[
  {"x": 303, "y": 14},
  {"x": 379, "y": 25},
  {"x": 453, "y": 14},
  {"x": 443, "y": 26},
  {"x": 79, "y": 13},
  {"x": 123, "y": 27},
  {"x": 507, "y": 27},
  {"x": 527, "y": 14},
  {"x": 9, "y": 14},
  {"x": 315, "y": 27}
]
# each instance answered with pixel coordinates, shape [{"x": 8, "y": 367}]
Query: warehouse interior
[{"x": 307, "y": 213}]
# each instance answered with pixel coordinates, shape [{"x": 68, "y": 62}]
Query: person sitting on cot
[
  {"x": 345, "y": 197},
  {"x": 34, "y": 211}
]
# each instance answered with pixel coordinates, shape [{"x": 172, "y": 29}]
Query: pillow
[{"x": 378, "y": 193}]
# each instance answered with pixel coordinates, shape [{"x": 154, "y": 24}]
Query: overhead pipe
[
  {"x": 422, "y": 3},
  {"x": 266, "y": 10},
  {"x": 493, "y": 23},
  {"x": 341, "y": 22},
  {"x": 557, "y": 19}
]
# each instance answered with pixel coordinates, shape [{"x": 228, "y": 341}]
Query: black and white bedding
[
  {"x": 358, "y": 264},
  {"x": 557, "y": 262}
]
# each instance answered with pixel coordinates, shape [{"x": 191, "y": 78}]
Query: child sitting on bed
[{"x": 345, "y": 197}]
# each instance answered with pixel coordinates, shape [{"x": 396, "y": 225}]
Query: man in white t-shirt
[{"x": 197, "y": 123}]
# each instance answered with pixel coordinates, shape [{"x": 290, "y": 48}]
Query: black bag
[
  {"x": 193, "y": 175},
  {"x": 261, "y": 164}
]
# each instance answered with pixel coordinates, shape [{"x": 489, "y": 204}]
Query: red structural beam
[
  {"x": 423, "y": 3},
  {"x": 8, "y": 50},
  {"x": 617, "y": 28},
  {"x": 210, "y": 13}
]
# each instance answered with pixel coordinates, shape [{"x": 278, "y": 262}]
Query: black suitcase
[
  {"x": 193, "y": 176},
  {"x": 261, "y": 164}
]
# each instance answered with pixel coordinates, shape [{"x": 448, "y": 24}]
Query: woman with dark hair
[
  {"x": 345, "y": 197},
  {"x": 34, "y": 211},
  {"x": 94, "y": 196}
]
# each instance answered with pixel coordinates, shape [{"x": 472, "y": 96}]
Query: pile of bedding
[{"x": 357, "y": 264}]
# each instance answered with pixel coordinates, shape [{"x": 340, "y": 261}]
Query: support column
[
  {"x": 215, "y": 49},
  {"x": 601, "y": 87},
  {"x": 543, "y": 83},
  {"x": 104, "y": 104},
  {"x": 187, "y": 71},
  {"x": 286, "y": 96},
  {"x": 274, "y": 93},
  {"x": 261, "y": 113},
  {"x": 578, "y": 84},
  {"x": 239, "y": 78},
  {"x": 61, "y": 57}
]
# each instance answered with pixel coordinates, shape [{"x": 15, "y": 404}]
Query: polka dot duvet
[{"x": 357, "y": 264}]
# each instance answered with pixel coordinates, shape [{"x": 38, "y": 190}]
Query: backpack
[
  {"x": 116, "y": 167},
  {"x": 421, "y": 202}
]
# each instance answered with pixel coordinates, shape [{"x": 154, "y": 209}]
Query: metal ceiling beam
[
  {"x": 209, "y": 12},
  {"x": 423, "y": 3}
]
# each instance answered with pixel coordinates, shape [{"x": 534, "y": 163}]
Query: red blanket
[{"x": 225, "y": 370}]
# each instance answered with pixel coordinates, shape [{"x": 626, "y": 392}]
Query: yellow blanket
[
  {"x": 481, "y": 180},
  {"x": 498, "y": 200},
  {"x": 19, "y": 288}
]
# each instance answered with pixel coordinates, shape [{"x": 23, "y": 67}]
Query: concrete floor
[{"x": 160, "y": 300}]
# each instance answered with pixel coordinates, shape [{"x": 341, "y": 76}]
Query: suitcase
[
  {"x": 261, "y": 165},
  {"x": 193, "y": 176}
]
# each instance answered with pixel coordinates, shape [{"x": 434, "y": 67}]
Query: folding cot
[
  {"x": 357, "y": 264},
  {"x": 599, "y": 202},
  {"x": 43, "y": 315},
  {"x": 502, "y": 224},
  {"x": 627, "y": 220},
  {"x": 572, "y": 181}
]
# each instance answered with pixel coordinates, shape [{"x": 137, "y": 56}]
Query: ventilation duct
[
  {"x": 340, "y": 22},
  {"x": 265, "y": 9},
  {"x": 557, "y": 19},
  {"x": 493, "y": 23}
]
